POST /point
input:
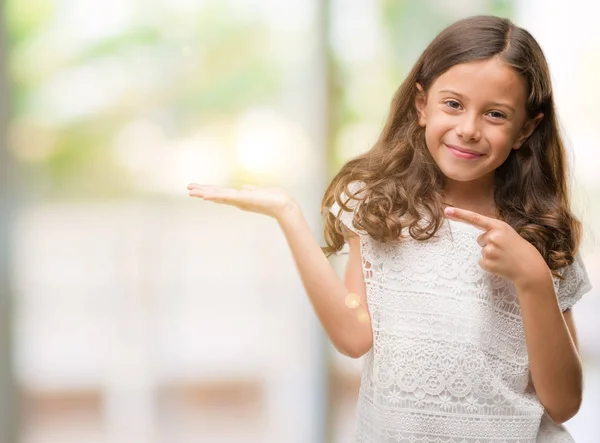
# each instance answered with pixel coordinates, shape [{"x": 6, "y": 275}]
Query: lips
[{"x": 465, "y": 151}]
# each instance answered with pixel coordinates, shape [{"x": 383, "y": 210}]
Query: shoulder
[
  {"x": 356, "y": 190},
  {"x": 574, "y": 283},
  {"x": 349, "y": 197},
  {"x": 348, "y": 204}
]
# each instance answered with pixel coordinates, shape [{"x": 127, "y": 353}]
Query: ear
[
  {"x": 421, "y": 104},
  {"x": 527, "y": 130}
]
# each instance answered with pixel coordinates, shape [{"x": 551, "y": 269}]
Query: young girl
[{"x": 463, "y": 251}]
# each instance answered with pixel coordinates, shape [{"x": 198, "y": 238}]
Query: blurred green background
[{"x": 135, "y": 314}]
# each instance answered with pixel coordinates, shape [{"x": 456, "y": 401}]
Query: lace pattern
[{"x": 449, "y": 361}]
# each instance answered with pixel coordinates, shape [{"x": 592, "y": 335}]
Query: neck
[{"x": 473, "y": 196}]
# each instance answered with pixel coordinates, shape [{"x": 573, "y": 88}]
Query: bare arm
[
  {"x": 551, "y": 340},
  {"x": 325, "y": 289}
]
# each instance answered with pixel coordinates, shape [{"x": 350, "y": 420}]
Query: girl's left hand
[{"x": 503, "y": 251}]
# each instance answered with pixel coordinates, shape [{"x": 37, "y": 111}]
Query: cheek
[
  {"x": 438, "y": 125},
  {"x": 501, "y": 140}
]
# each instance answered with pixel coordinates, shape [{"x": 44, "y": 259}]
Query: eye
[
  {"x": 496, "y": 115},
  {"x": 452, "y": 104}
]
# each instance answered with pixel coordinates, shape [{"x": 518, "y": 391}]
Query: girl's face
[{"x": 474, "y": 115}]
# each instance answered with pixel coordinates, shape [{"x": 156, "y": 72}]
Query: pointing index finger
[{"x": 470, "y": 217}]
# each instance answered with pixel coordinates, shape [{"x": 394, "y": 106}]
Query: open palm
[{"x": 268, "y": 201}]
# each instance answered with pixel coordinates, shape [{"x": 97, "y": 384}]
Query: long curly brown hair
[{"x": 403, "y": 186}]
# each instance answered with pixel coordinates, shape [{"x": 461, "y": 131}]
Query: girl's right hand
[{"x": 274, "y": 202}]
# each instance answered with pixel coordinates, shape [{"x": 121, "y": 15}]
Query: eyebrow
[{"x": 458, "y": 94}]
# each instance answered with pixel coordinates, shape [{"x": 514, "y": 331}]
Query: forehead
[{"x": 487, "y": 80}]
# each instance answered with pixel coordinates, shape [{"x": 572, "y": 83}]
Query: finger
[
  {"x": 249, "y": 187},
  {"x": 482, "y": 263},
  {"x": 205, "y": 191},
  {"x": 200, "y": 188},
  {"x": 470, "y": 217},
  {"x": 482, "y": 239},
  {"x": 226, "y": 195}
]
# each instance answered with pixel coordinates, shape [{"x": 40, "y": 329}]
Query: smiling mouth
[{"x": 462, "y": 152}]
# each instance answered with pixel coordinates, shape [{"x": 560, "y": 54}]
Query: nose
[{"x": 468, "y": 128}]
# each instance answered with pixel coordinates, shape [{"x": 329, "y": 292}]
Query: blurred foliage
[
  {"x": 411, "y": 25},
  {"x": 177, "y": 70}
]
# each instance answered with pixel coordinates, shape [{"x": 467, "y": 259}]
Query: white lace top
[{"x": 449, "y": 361}]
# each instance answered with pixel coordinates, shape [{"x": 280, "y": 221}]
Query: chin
[{"x": 459, "y": 176}]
